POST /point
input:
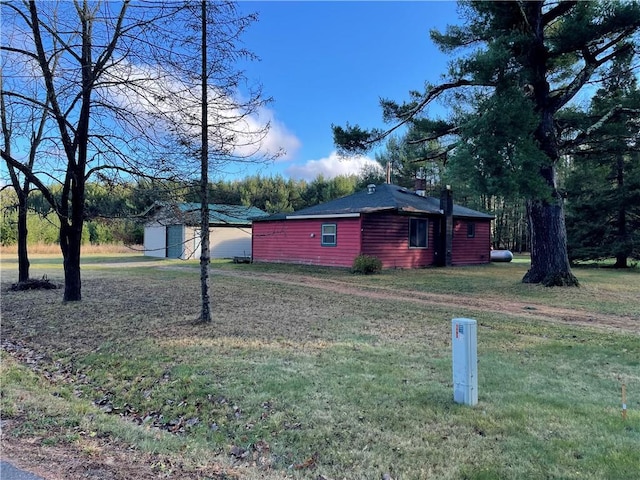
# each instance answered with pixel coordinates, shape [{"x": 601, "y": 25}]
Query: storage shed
[
  {"x": 402, "y": 228},
  {"x": 173, "y": 230}
]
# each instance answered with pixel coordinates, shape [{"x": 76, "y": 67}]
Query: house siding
[
  {"x": 230, "y": 231},
  {"x": 386, "y": 237},
  {"x": 471, "y": 251},
  {"x": 224, "y": 242},
  {"x": 299, "y": 241},
  {"x": 191, "y": 243},
  {"x": 229, "y": 242},
  {"x": 155, "y": 241}
]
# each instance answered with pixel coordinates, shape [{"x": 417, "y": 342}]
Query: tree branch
[
  {"x": 557, "y": 11},
  {"x": 108, "y": 52},
  {"x": 602, "y": 121},
  {"x": 452, "y": 130},
  {"x": 437, "y": 154},
  {"x": 367, "y": 139},
  {"x": 27, "y": 172},
  {"x": 562, "y": 96},
  {"x": 48, "y": 79},
  {"x": 10, "y": 49},
  {"x": 117, "y": 168}
]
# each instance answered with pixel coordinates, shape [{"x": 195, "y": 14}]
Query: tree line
[{"x": 114, "y": 213}]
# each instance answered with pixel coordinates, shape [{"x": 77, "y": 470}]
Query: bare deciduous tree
[{"x": 120, "y": 100}]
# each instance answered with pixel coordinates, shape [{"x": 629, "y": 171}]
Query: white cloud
[
  {"x": 237, "y": 128},
  {"x": 331, "y": 167},
  {"x": 279, "y": 138}
]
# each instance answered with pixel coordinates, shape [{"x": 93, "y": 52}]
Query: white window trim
[{"x": 334, "y": 234}]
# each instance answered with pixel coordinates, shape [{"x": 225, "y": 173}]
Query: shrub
[{"x": 366, "y": 264}]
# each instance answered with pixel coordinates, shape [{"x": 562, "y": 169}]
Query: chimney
[
  {"x": 420, "y": 186},
  {"x": 371, "y": 188},
  {"x": 446, "y": 231}
]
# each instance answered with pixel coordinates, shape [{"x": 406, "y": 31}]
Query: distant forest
[{"x": 115, "y": 213}]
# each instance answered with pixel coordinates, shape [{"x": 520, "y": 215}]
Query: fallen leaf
[{"x": 308, "y": 463}]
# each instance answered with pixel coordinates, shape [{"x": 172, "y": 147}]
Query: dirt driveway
[{"x": 532, "y": 311}]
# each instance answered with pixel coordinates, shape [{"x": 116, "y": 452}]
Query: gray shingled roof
[{"x": 385, "y": 198}]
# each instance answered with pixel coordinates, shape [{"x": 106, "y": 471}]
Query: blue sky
[{"x": 330, "y": 62}]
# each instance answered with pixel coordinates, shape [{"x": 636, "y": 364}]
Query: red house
[{"x": 400, "y": 227}]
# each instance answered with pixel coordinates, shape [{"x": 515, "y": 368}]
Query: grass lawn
[{"x": 317, "y": 373}]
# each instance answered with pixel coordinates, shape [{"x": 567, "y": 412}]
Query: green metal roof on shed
[
  {"x": 226, "y": 214},
  {"x": 382, "y": 198},
  {"x": 219, "y": 214}
]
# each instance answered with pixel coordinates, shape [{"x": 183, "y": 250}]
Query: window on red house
[
  {"x": 418, "y": 232},
  {"x": 471, "y": 230},
  {"x": 329, "y": 235}
]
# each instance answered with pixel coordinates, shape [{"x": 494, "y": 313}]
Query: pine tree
[
  {"x": 603, "y": 187},
  {"x": 527, "y": 61}
]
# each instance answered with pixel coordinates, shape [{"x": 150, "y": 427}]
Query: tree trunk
[
  {"x": 205, "y": 254},
  {"x": 23, "y": 257},
  {"x": 622, "y": 240},
  {"x": 549, "y": 259},
  {"x": 70, "y": 243},
  {"x": 621, "y": 261}
]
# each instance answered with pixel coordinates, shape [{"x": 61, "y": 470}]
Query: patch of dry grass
[
  {"x": 294, "y": 380},
  {"x": 54, "y": 249}
]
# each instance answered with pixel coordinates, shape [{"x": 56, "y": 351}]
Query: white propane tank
[{"x": 501, "y": 256}]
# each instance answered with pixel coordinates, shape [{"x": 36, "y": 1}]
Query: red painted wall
[
  {"x": 299, "y": 241},
  {"x": 471, "y": 251},
  {"x": 387, "y": 238}
]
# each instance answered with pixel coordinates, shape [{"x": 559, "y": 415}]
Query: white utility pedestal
[{"x": 464, "y": 345}]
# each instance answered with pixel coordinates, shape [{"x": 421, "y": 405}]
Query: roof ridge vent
[{"x": 371, "y": 188}]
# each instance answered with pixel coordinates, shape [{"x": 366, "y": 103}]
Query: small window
[
  {"x": 418, "y": 233},
  {"x": 471, "y": 230},
  {"x": 329, "y": 235}
]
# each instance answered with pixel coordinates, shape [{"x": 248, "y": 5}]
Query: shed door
[{"x": 174, "y": 241}]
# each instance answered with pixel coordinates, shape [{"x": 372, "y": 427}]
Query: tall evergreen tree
[
  {"x": 603, "y": 187},
  {"x": 527, "y": 61}
]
